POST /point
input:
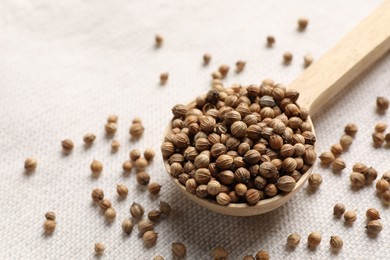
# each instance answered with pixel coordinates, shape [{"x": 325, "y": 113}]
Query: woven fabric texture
[{"x": 66, "y": 65}]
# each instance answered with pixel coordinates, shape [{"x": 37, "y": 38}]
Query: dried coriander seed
[
  {"x": 67, "y": 145},
  {"x": 315, "y": 180},
  {"x": 286, "y": 183},
  {"x": 150, "y": 238},
  {"x": 164, "y": 78},
  {"x": 223, "y": 198},
  {"x": 374, "y": 227},
  {"x": 351, "y": 129},
  {"x": 338, "y": 209},
  {"x": 149, "y": 154},
  {"x": 136, "y": 210},
  {"x": 158, "y": 40},
  {"x": 338, "y": 164},
  {"x": 110, "y": 214},
  {"x": 378, "y": 139},
  {"x": 248, "y": 257},
  {"x": 49, "y": 226},
  {"x": 145, "y": 225},
  {"x": 127, "y": 166},
  {"x": 252, "y": 196},
  {"x": 327, "y": 158},
  {"x": 302, "y": 23},
  {"x": 336, "y": 149},
  {"x": 99, "y": 248},
  {"x": 115, "y": 144},
  {"x": 357, "y": 179},
  {"x": 135, "y": 154},
  {"x": 220, "y": 253},
  {"x": 154, "y": 188},
  {"x": 89, "y": 138},
  {"x": 314, "y": 239},
  {"x": 350, "y": 216},
  {"x": 287, "y": 58},
  {"x": 141, "y": 164},
  {"x": 307, "y": 60},
  {"x": 206, "y": 58},
  {"x": 110, "y": 128},
  {"x": 387, "y": 138},
  {"x": 382, "y": 185},
  {"x": 386, "y": 197},
  {"x": 380, "y": 127},
  {"x": 382, "y": 103},
  {"x": 105, "y": 204},
  {"x": 370, "y": 174},
  {"x": 165, "y": 208},
  {"x": 336, "y": 243},
  {"x": 154, "y": 215},
  {"x": 158, "y": 257},
  {"x": 346, "y": 141},
  {"x": 359, "y": 167},
  {"x": 179, "y": 249},
  {"x": 136, "y": 130},
  {"x": 223, "y": 69},
  {"x": 293, "y": 240},
  {"x": 122, "y": 190},
  {"x": 213, "y": 187},
  {"x": 50, "y": 215},
  {"x": 96, "y": 168},
  {"x": 262, "y": 255},
  {"x": 30, "y": 164},
  {"x": 112, "y": 119},
  {"x": 372, "y": 214},
  {"x": 270, "y": 40},
  {"x": 97, "y": 194},
  {"x": 127, "y": 226},
  {"x": 386, "y": 176},
  {"x": 240, "y": 65},
  {"x": 143, "y": 178}
]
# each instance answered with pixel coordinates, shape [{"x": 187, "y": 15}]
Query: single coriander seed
[
  {"x": 350, "y": 216},
  {"x": 357, "y": 179},
  {"x": 287, "y": 58},
  {"x": 136, "y": 120},
  {"x": 50, "y": 215},
  {"x": 327, "y": 158},
  {"x": 386, "y": 197},
  {"x": 135, "y": 154},
  {"x": 154, "y": 215},
  {"x": 382, "y": 103},
  {"x": 141, "y": 164},
  {"x": 158, "y": 40},
  {"x": 165, "y": 208},
  {"x": 145, "y": 225},
  {"x": 270, "y": 40},
  {"x": 136, "y": 210},
  {"x": 89, "y": 138},
  {"x": 149, "y": 154},
  {"x": 110, "y": 128},
  {"x": 158, "y": 257},
  {"x": 143, "y": 178},
  {"x": 136, "y": 130},
  {"x": 302, "y": 23},
  {"x": 154, "y": 188},
  {"x": 338, "y": 209},
  {"x": 346, "y": 141},
  {"x": 110, "y": 214},
  {"x": 380, "y": 127},
  {"x": 314, "y": 239},
  {"x": 115, "y": 144},
  {"x": 97, "y": 194},
  {"x": 164, "y": 78},
  {"x": 127, "y": 166},
  {"x": 105, "y": 204},
  {"x": 179, "y": 249},
  {"x": 122, "y": 190},
  {"x": 372, "y": 214},
  {"x": 387, "y": 138},
  {"x": 351, "y": 129},
  {"x": 67, "y": 145},
  {"x": 248, "y": 257},
  {"x": 382, "y": 185},
  {"x": 99, "y": 248},
  {"x": 49, "y": 226},
  {"x": 336, "y": 243},
  {"x": 293, "y": 240},
  {"x": 127, "y": 226},
  {"x": 112, "y": 119},
  {"x": 307, "y": 60},
  {"x": 338, "y": 165},
  {"x": 220, "y": 253},
  {"x": 378, "y": 139},
  {"x": 30, "y": 164},
  {"x": 223, "y": 69},
  {"x": 315, "y": 180},
  {"x": 96, "y": 168},
  {"x": 374, "y": 227},
  {"x": 206, "y": 58},
  {"x": 240, "y": 65},
  {"x": 262, "y": 255},
  {"x": 336, "y": 149}
]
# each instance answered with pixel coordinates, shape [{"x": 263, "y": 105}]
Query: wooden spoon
[{"x": 319, "y": 83}]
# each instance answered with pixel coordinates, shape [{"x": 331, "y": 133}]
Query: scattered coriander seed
[
  {"x": 145, "y": 225},
  {"x": 110, "y": 128},
  {"x": 136, "y": 210},
  {"x": 357, "y": 179},
  {"x": 97, "y": 194},
  {"x": 378, "y": 139},
  {"x": 240, "y": 65},
  {"x": 127, "y": 226},
  {"x": 165, "y": 208},
  {"x": 135, "y": 154},
  {"x": 314, "y": 239},
  {"x": 149, "y": 154},
  {"x": 122, "y": 190},
  {"x": 336, "y": 149},
  {"x": 112, "y": 119},
  {"x": 359, "y": 167},
  {"x": 136, "y": 130},
  {"x": 248, "y": 257},
  {"x": 387, "y": 138},
  {"x": 386, "y": 197},
  {"x": 110, "y": 214},
  {"x": 159, "y": 40},
  {"x": 30, "y": 164},
  {"x": 206, "y": 58},
  {"x": 223, "y": 69},
  {"x": 287, "y": 58},
  {"x": 293, "y": 240},
  {"x": 158, "y": 257},
  {"x": 372, "y": 214},
  {"x": 382, "y": 185},
  {"x": 350, "y": 216},
  {"x": 374, "y": 227},
  {"x": 143, "y": 178},
  {"x": 307, "y": 60},
  {"x": 127, "y": 166},
  {"x": 150, "y": 238},
  {"x": 164, "y": 78},
  {"x": 262, "y": 255},
  {"x": 105, "y": 204},
  {"x": 327, "y": 158},
  {"x": 370, "y": 174},
  {"x": 89, "y": 138},
  {"x": 386, "y": 176},
  {"x": 302, "y": 23},
  {"x": 336, "y": 243},
  {"x": 351, "y": 129},
  {"x": 338, "y": 164},
  {"x": 338, "y": 209},
  {"x": 154, "y": 188},
  {"x": 115, "y": 145},
  {"x": 315, "y": 180},
  {"x": 346, "y": 141},
  {"x": 67, "y": 145},
  {"x": 99, "y": 248},
  {"x": 380, "y": 127},
  {"x": 154, "y": 215},
  {"x": 141, "y": 164},
  {"x": 216, "y": 75},
  {"x": 136, "y": 120},
  {"x": 96, "y": 167},
  {"x": 270, "y": 40},
  {"x": 49, "y": 226},
  {"x": 220, "y": 253},
  {"x": 179, "y": 249},
  {"x": 50, "y": 215},
  {"x": 382, "y": 103}
]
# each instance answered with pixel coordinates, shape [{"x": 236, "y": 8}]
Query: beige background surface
[{"x": 65, "y": 66}]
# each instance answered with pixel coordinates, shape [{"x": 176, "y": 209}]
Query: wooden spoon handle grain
[{"x": 358, "y": 50}]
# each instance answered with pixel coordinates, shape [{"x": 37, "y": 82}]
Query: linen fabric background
[{"x": 66, "y": 65}]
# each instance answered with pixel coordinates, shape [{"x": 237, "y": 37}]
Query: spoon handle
[{"x": 358, "y": 50}]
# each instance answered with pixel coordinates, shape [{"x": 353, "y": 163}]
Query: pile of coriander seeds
[{"x": 240, "y": 144}]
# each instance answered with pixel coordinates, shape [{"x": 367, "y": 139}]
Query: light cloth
[{"x": 66, "y": 65}]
